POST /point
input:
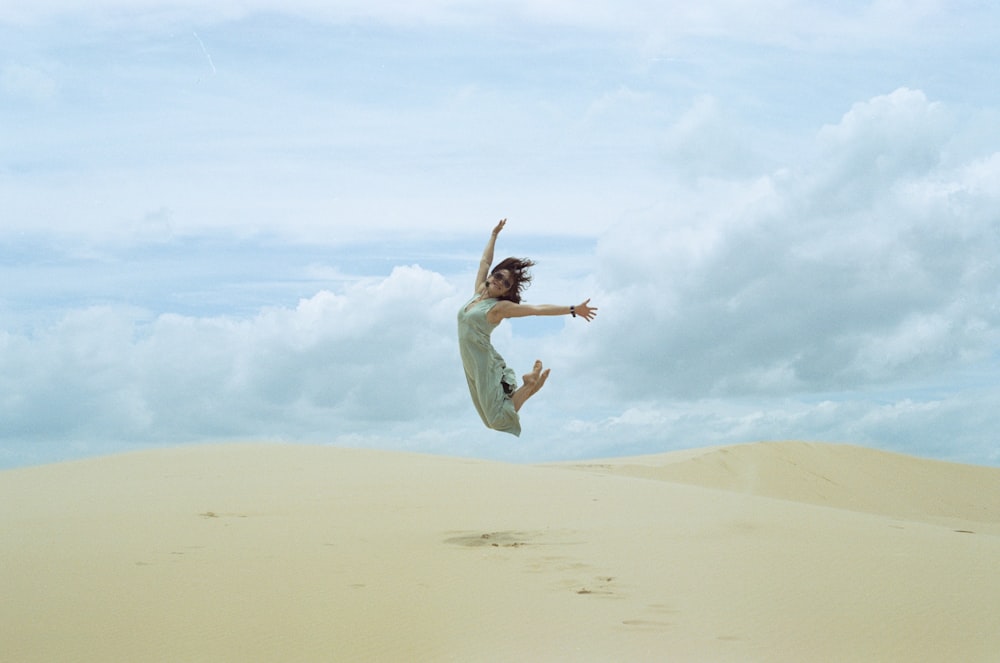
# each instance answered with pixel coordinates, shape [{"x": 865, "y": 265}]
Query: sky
[{"x": 258, "y": 220}]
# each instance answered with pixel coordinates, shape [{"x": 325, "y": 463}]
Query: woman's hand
[
  {"x": 586, "y": 311},
  {"x": 496, "y": 231}
]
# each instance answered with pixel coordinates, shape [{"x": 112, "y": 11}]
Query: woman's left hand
[{"x": 586, "y": 311}]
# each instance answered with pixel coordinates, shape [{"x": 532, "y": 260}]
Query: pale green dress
[{"x": 485, "y": 370}]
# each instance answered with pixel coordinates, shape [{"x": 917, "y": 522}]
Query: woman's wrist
[{"x": 572, "y": 311}]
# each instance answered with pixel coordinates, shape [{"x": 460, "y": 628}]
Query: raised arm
[
  {"x": 487, "y": 259},
  {"x": 507, "y": 309}
]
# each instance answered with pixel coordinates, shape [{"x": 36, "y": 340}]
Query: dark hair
[{"x": 520, "y": 278}]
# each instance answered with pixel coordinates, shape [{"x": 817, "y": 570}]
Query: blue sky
[{"x": 258, "y": 220}]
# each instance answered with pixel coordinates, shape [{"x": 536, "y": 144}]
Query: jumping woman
[{"x": 492, "y": 383}]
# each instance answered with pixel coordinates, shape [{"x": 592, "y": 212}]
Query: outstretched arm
[
  {"x": 487, "y": 259},
  {"x": 508, "y": 309}
]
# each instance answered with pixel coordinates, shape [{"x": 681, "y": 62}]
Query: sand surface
[{"x": 765, "y": 552}]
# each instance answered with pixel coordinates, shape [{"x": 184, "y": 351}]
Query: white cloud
[
  {"x": 826, "y": 276},
  {"x": 878, "y": 144},
  {"x": 759, "y": 274},
  {"x": 381, "y": 351}
]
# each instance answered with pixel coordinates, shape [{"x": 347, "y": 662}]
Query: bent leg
[{"x": 532, "y": 383}]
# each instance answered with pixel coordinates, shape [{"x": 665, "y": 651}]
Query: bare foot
[
  {"x": 530, "y": 388},
  {"x": 532, "y": 377}
]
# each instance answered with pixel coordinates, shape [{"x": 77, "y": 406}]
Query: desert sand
[{"x": 785, "y": 551}]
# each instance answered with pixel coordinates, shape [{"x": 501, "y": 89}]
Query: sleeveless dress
[{"x": 490, "y": 380}]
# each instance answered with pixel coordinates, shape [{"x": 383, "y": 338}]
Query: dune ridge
[
  {"x": 256, "y": 552},
  {"x": 840, "y": 476}
]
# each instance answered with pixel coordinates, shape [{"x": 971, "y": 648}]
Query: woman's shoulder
[{"x": 498, "y": 309}]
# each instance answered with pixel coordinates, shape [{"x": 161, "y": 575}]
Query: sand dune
[
  {"x": 839, "y": 476},
  {"x": 765, "y": 552}
]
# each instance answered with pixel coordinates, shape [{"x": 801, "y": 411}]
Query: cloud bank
[
  {"x": 742, "y": 308},
  {"x": 871, "y": 263},
  {"x": 251, "y": 220}
]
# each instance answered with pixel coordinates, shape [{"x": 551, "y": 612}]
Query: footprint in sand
[
  {"x": 602, "y": 587},
  {"x": 492, "y": 539}
]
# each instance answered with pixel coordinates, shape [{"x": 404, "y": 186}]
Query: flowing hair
[{"x": 520, "y": 278}]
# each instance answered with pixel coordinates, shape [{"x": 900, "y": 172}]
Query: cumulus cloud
[
  {"x": 380, "y": 352},
  {"x": 759, "y": 274},
  {"x": 871, "y": 264},
  {"x": 742, "y": 308}
]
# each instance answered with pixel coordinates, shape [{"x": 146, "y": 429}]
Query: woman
[{"x": 492, "y": 384}]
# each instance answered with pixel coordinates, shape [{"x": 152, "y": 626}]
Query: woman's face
[{"x": 498, "y": 283}]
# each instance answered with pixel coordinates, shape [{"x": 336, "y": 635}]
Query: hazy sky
[{"x": 258, "y": 221}]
